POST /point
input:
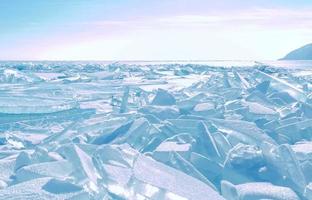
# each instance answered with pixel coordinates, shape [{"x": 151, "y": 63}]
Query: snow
[{"x": 257, "y": 191}]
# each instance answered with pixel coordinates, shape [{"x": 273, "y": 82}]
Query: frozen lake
[{"x": 156, "y": 130}]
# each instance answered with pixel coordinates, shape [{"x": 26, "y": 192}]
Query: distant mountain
[{"x": 303, "y": 53}]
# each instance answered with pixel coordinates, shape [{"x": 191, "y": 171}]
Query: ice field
[{"x": 156, "y": 130}]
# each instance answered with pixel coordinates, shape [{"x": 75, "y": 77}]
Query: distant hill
[{"x": 303, "y": 53}]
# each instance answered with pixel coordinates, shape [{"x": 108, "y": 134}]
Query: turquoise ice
[{"x": 155, "y": 131}]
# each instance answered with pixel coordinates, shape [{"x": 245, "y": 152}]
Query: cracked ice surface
[{"x": 173, "y": 131}]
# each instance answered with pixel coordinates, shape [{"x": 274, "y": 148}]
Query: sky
[{"x": 153, "y": 29}]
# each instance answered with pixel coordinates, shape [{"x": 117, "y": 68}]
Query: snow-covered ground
[{"x": 156, "y": 130}]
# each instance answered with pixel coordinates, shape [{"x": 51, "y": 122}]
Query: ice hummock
[{"x": 170, "y": 131}]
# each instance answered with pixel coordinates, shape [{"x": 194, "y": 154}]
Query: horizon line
[{"x": 138, "y": 60}]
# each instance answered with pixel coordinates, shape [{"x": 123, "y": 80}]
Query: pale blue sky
[{"x": 152, "y": 29}]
